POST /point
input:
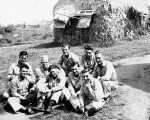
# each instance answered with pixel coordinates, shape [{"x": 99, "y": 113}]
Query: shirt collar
[
  {"x": 68, "y": 56},
  {"x": 93, "y": 57},
  {"x": 104, "y": 63},
  {"x": 42, "y": 69}
]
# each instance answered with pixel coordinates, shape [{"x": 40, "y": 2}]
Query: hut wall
[
  {"x": 71, "y": 36},
  {"x": 58, "y": 35}
]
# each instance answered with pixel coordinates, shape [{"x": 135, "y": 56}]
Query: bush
[
  {"x": 2, "y": 30},
  {"x": 9, "y": 29}
]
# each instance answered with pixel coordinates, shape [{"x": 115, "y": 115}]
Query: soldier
[
  {"x": 56, "y": 84},
  {"x": 88, "y": 59},
  {"x": 14, "y": 69},
  {"x": 91, "y": 94},
  {"x": 74, "y": 86},
  {"x": 41, "y": 73},
  {"x": 105, "y": 72},
  {"x": 68, "y": 59},
  {"x": 20, "y": 90}
]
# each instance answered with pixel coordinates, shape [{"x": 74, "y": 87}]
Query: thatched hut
[{"x": 105, "y": 21}]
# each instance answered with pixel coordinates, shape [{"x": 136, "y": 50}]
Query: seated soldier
[
  {"x": 20, "y": 90},
  {"x": 105, "y": 72},
  {"x": 56, "y": 83},
  {"x": 68, "y": 59},
  {"x": 41, "y": 74},
  {"x": 88, "y": 59},
  {"x": 14, "y": 69},
  {"x": 91, "y": 93},
  {"x": 74, "y": 85},
  {"x": 42, "y": 71}
]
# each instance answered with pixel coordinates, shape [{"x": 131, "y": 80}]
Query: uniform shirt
[
  {"x": 74, "y": 83},
  {"x": 41, "y": 74},
  {"x": 68, "y": 62},
  {"x": 95, "y": 93},
  {"x": 57, "y": 83},
  {"x": 14, "y": 70},
  {"x": 21, "y": 87},
  {"x": 106, "y": 71},
  {"x": 88, "y": 63}
]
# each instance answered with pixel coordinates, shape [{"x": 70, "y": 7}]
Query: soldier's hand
[
  {"x": 82, "y": 109},
  {"x": 88, "y": 85},
  {"x": 22, "y": 98},
  {"x": 12, "y": 77},
  {"x": 49, "y": 91}
]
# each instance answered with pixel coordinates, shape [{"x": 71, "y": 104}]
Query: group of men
[{"x": 84, "y": 83}]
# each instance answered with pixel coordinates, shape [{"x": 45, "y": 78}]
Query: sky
[{"x": 28, "y": 11}]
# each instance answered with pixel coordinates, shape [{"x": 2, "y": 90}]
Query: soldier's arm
[
  {"x": 70, "y": 87},
  {"x": 81, "y": 100},
  {"x": 76, "y": 58},
  {"x": 10, "y": 72},
  {"x": 61, "y": 84},
  {"x": 98, "y": 90},
  {"x": 14, "y": 92},
  {"x": 61, "y": 61},
  {"x": 109, "y": 71},
  {"x": 38, "y": 74},
  {"x": 95, "y": 72},
  {"x": 31, "y": 73}
]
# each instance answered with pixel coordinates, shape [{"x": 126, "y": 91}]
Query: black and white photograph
[{"x": 74, "y": 59}]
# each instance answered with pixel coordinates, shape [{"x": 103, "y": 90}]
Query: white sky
[{"x": 20, "y": 11}]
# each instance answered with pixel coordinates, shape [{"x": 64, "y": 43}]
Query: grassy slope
[{"x": 126, "y": 49}]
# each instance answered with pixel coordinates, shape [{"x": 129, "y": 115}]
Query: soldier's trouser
[
  {"x": 67, "y": 71},
  {"x": 55, "y": 96},
  {"x": 74, "y": 100},
  {"x": 109, "y": 86},
  {"x": 16, "y": 104},
  {"x": 95, "y": 104}
]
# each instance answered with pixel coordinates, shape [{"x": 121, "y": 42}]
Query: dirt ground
[{"x": 130, "y": 101}]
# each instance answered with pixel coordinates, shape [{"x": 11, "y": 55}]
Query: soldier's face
[
  {"x": 88, "y": 53},
  {"x": 54, "y": 72},
  {"x": 86, "y": 77},
  {"x": 65, "y": 50},
  {"x": 45, "y": 64},
  {"x": 99, "y": 59},
  {"x": 75, "y": 70},
  {"x": 23, "y": 58},
  {"x": 24, "y": 72}
]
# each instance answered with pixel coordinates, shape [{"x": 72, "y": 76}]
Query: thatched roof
[
  {"x": 68, "y": 8},
  {"x": 141, "y": 6}
]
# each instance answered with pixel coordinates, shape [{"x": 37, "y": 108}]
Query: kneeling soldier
[{"x": 105, "y": 72}]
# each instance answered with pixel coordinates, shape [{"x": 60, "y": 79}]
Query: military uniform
[
  {"x": 106, "y": 73},
  {"x": 14, "y": 70},
  {"x": 67, "y": 62},
  {"x": 92, "y": 97},
  {"x": 88, "y": 63},
  {"x": 20, "y": 88},
  {"x": 74, "y": 86},
  {"x": 41, "y": 74}
]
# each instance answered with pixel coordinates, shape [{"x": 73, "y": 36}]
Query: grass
[{"x": 121, "y": 50}]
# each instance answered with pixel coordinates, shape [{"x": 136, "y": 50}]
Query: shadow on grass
[
  {"x": 47, "y": 45},
  {"x": 3, "y": 105}
]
